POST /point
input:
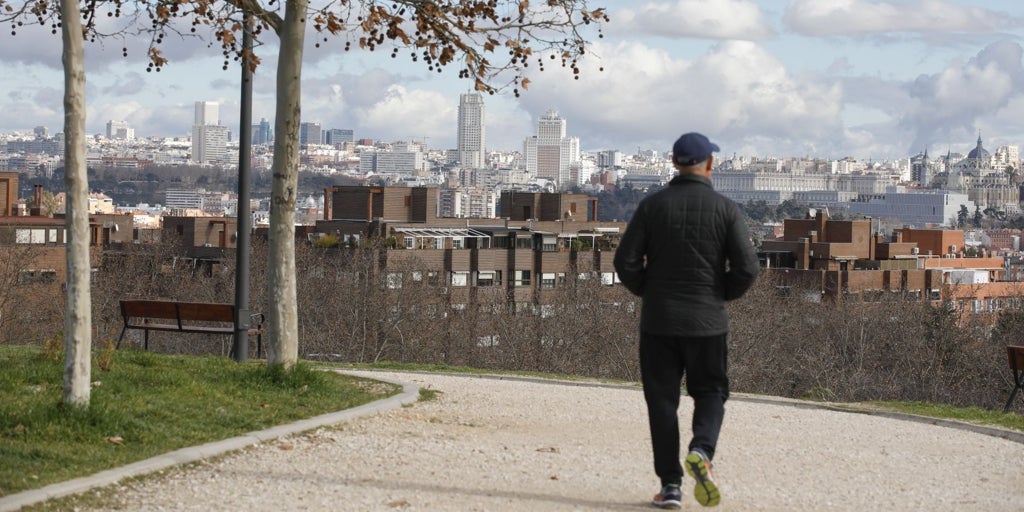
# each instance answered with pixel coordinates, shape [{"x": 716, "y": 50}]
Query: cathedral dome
[{"x": 979, "y": 152}]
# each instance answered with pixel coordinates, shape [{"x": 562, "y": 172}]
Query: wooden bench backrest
[
  {"x": 148, "y": 309},
  {"x": 1015, "y": 355},
  {"x": 207, "y": 312},
  {"x": 197, "y": 311}
]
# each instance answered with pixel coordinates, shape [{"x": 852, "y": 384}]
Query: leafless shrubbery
[
  {"x": 350, "y": 310},
  {"x": 31, "y": 300},
  {"x": 783, "y": 341},
  {"x": 895, "y": 349},
  {"x": 153, "y": 271}
]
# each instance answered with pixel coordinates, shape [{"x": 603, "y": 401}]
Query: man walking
[{"x": 686, "y": 251}]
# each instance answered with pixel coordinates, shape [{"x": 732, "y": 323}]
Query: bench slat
[
  {"x": 207, "y": 312},
  {"x": 149, "y": 309}
]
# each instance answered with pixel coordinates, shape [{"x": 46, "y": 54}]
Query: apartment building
[
  {"x": 849, "y": 260},
  {"x": 525, "y": 257}
]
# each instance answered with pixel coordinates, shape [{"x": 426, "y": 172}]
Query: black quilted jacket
[{"x": 686, "y": 251}]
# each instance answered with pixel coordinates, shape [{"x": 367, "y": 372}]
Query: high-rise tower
[
  {"x": 207, "y": 112},
  {"x": 209, "y": 138},
  {"x": 472, "y": 137},
  {"x": 310, "y": 133},
  {"x": 550, "y": 154}
]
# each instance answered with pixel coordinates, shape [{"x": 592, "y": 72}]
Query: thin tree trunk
[
  {"x": 78, "y": 311},
  {"x": 283, "y": 347}
]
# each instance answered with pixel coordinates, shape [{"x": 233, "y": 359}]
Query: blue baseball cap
[{"x": 691, "y": 149}]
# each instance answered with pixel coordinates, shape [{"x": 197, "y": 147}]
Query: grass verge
[
  {"x": 974, "y": 415},
  {"x": 147, "y": 404}
]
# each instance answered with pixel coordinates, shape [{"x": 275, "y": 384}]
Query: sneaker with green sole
[{"x": 704, "y": 491}]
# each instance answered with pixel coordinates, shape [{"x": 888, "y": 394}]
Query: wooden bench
[
  {"x": 1015, "y": 356},
  {"x": 190, "y": 317}
]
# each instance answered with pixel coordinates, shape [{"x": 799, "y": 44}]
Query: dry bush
[
  {"x": 31, "y": 303},
  {"x": 157, "y": 271},
  {"x": 895, "y": 349},
  {"x": 784, "y": 341}
]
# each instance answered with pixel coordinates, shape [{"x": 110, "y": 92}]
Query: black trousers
[{"x": 664, "y": 360}]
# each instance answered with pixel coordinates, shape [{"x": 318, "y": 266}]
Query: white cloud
[
  {"x": 955, "y": 101},
  {"x": 863, "y": 17},
  {"x": 405, "y": 114},
  {"x": 736, "y": 93},
  {"x": 710, "y": 19}
]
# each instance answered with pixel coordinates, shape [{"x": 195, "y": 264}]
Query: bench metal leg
[
  {"x": 1018, "y": 379},
  {"x": 119, "y": 338}
]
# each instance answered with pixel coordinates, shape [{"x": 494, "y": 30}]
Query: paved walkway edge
[
  {"x": 409, "y": 395},
  {"x": 987, "y": 430}
]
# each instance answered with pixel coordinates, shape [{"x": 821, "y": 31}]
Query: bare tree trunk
[
  {"x": 78, "y": 313},
  {"x": 283, "y": 345}
]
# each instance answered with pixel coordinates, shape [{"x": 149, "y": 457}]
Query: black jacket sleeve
[
  {"x": 743, "y": 264},
  {"x": 629, "y": 257}
]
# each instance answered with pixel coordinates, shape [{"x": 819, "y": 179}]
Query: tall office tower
[
  {"x": 209, "y": 138},
  {"x": 207, "y": 112},
  {"x": 119, "y": 130},
  {"x": 262, "y": 133},
  {"x": 550, "y": 154},
  {"x": 309, "y": 133},
  {"x": 336, "y": 136},
  {"x": 472, "y": 136},
  {"x": 209, "y": 144}
]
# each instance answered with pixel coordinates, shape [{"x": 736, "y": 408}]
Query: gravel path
[{"x": 503, "y": 444}]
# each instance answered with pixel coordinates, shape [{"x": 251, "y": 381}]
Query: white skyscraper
[
  {"x": 209, "y": 144},
  {"x": 207, "y": 112},
  {"x": 209, "y": 138},
  {"x": 550, "y": 154},
  {"x": 472, "y": 136}
]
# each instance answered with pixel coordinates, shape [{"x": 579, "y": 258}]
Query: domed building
[
  {"x": 984, "y": 183},
  {"x": 978, "y": 159}
]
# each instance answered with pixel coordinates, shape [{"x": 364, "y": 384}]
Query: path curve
[{"x": 523, "y": 444}]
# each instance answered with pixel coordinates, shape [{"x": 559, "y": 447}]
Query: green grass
[
  {"x": 974, "y": 415},
  {"x": 148, "y": 404}
]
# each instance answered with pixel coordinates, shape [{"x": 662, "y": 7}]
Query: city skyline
[{"x": 833, "y": 78}]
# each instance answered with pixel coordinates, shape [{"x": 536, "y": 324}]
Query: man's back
[{"x": 676, "y": 252}]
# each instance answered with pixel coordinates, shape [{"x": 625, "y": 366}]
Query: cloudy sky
[{"x": 828, "y": 78}]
